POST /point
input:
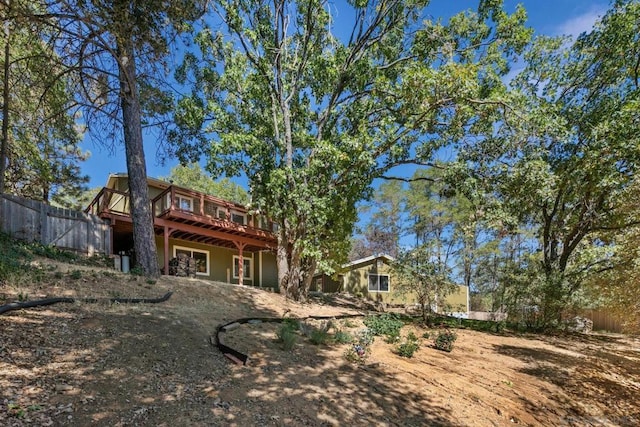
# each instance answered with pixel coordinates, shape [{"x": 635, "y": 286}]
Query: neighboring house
[
  {"x": 373, "y": 278},
  {"x": 226, "y": 241}
]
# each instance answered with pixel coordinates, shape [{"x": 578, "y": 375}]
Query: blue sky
[{"x": 549, "y": 17}]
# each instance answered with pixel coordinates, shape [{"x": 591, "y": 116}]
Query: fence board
[
  {"x": 602, "y": 321},
  {"x": 35, "y": 221}
]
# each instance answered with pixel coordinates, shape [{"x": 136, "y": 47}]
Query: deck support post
[{"x": 240, "y": 247}]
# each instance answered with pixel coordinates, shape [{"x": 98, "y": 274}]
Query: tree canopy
[
  {"x": 113, "y": 54},
  {"x": 311, "y": 119},
  {"x": 40, "y": 156},
  {"x": 564, "y": 166}
]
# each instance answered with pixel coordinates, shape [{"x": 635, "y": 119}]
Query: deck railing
[
  {"x": 110, "y": 201},
  {"x": 180, "y": 200}
]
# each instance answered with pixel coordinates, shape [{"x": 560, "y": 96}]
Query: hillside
[{"x": 133, "y": 364}]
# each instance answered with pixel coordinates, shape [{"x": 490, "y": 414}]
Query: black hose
[
  {"x": 49, "y": 301},
  {"x": 243, "y": 357}
]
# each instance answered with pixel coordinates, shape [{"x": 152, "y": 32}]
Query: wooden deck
[{"x": 189, "y": 215}]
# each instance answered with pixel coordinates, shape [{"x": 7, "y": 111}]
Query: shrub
[
  {"x": 319, "y": 336},
  {"x": 286, "y": 335},
  {"x": 445, "y": 339},
  {"x": 359, "y": 350},
  {"x": 392, "y": 338},
  {"x": 386, "y": 324},
  {"x": 406, "y": 349},
  {"x": 342, "y": 337},
  {"x": 75, "y": 274}
]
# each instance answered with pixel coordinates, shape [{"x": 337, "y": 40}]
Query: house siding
[
  {"x": 269, "y": 270},
  {"x": 221, "y": 262},
  {"x": 355, "y": 280}
]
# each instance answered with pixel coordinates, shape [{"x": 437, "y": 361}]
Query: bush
[
  {"x": 319, "y": 337},
  {"x": 406, "y": 349},
  {"x": 286, "y": 335},
  {"x": 388, "y": 325},
  {"x": 342, "y": 337},
  {"x": 12, "y": 257},
  {"x": 445, "y": 339},
  {"x": 359, "y": 351}
]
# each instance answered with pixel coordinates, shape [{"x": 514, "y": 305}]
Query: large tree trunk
[
  {"x": 295, "y": 273},
  {"x": 141, "y": 215}
]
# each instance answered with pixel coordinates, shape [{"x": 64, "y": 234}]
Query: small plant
[
  {"x": 75, "y": 274},
  {"x": 137, "y": 271},
  {"x": 23, "y": 297},
  {"x": 409, "y": 346},
  {"x": 387, "y": 324},
  {"x": 445, "y": 339},
  {"x": 347, "y": 323},
  {"x": 426, "y": 335},
  {"x": 286, "y": 335},
  {"x": 151, "y": 282},
  {"x": 58, "y": 275},
  {"x": 292, "y": 323},
  {"x": 359, "y": 350},
  {"x": 392, "y": 338},
  {"x": 16, "y": 410},
  {"x": 342, "y": 337},
  {"x": 319, "y": 337}
]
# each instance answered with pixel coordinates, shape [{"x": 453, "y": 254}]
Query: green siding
[
  {"x": 355, "y": 280},
  {"x": 269, "y": 270},
  {"x": 221, "y": 262}
]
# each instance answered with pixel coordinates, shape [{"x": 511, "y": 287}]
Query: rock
[{"x": 580, "y": 324}]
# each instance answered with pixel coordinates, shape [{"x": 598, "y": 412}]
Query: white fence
[{"x": 35, "y": 221}]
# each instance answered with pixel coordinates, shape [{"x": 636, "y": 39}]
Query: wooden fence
[
  {"x": 63, "y": 228},
  {"x": 602, "y": 321}
]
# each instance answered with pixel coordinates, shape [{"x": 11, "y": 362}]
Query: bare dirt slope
[{"x": 152, "y": 365}]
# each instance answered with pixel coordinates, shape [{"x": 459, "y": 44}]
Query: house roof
[
  {"x": 367, "y": 259},
  {"x": 157, "y": 182}
]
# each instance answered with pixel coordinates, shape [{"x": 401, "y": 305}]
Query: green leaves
[{"x": 311, "y": 119}]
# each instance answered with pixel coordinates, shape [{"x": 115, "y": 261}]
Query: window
[
  {"x": 201, "y": 257},
  {"x": 181, "y": 202},
  {"x": 379, "y": 282},
  {"x": 247, "y": 270},
  {"x": 236, "y": 217},
  {"x": 184, "y": 203}
]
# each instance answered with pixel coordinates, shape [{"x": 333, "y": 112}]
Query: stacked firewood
[{"x": 183, "y": 266}]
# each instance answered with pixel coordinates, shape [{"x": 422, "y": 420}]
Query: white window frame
[
  {"x": 180, "y": 198},
  {"x": 244, "y": 218},
  {"x": 244, "y": 258},
  {"x": 177, "y": 199},
  {"x": 377, "y": 276},
  {"x": 192, "y": 250}
]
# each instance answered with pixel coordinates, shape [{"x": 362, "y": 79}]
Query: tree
[
  {"x": 422, "y": 275},
  {"x": 114, "y": 52},
  {"x": 381, "y": 234},
  {"x": 195, "y": 178},
  {"x": 564, "y": 166},
  {"x": 312, "y": 119},
  {"x": 40, "y": 155}
]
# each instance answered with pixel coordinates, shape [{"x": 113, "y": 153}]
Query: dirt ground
[{"x": 153, "y": 365}]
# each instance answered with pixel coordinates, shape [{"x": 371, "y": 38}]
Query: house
[
  {"x": 227, "y": 241},
  {"x": 373, "y": 278}
]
